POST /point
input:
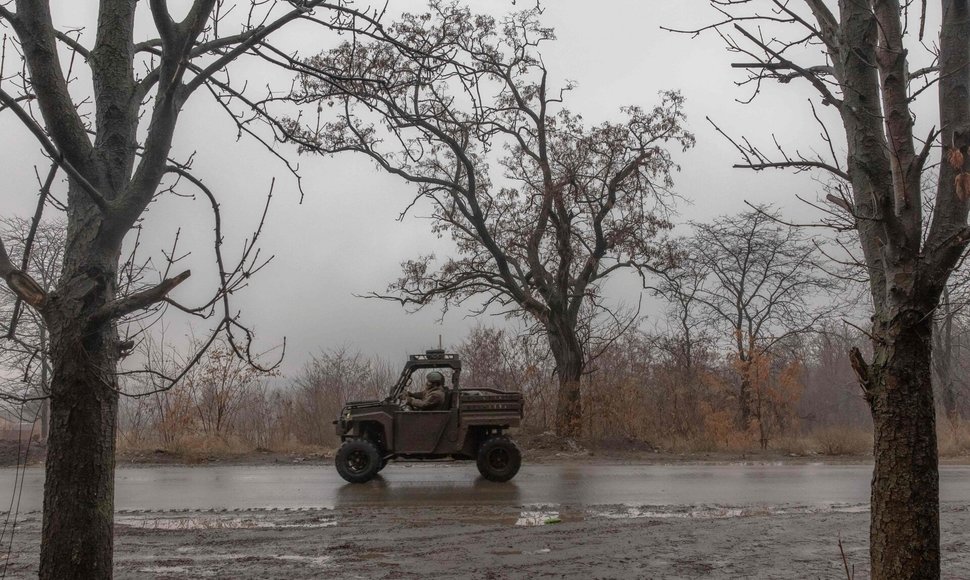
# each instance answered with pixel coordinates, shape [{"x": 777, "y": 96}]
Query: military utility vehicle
[{"x": 470, "y": 424}]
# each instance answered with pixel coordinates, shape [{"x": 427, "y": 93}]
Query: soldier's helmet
[{"x": 436, "y": 378}]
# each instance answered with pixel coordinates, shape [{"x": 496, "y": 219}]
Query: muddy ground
[{"x": 496, "y": 542}]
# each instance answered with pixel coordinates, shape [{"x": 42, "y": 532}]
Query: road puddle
[
  {"x": 663, "y": 512},
  {"x": 538, "y": 516},
  {"x": 315, "y": 560},
  {"x": 205, "y": 565},
  {"x": 547, "y": 514},
  {"x": 165, "y": 570},
  {"x": 219, "y": 523}
]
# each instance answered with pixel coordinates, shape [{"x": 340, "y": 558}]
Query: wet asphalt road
[{"x": 246, "y": 487}]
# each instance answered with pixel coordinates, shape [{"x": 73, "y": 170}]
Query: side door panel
[{"x": 425, "y": 431}]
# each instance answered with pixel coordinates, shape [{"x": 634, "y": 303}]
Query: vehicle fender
[{"x": 383, "y": 419}]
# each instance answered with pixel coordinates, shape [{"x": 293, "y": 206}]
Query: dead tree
[
  {"x": 537, "y": 230},
  {"x": 856, "y": 57},
  {"x": 114, "y": 148}
]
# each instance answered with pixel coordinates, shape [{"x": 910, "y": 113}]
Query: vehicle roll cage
[{"x": 431, "y": 359}]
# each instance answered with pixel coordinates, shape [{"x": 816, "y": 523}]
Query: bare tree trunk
[
  {"x": 744, "y": 399},
  {"x": 763, "y": 435},
  {"x": 45, "y": 419},
  {"x": 79, "y": 487},
  {"x": 905, "y": 526},
  {"x": 569, "y": 411},
  {"x": 45, "y": 404},
  {"x": 569, "y": 366}
]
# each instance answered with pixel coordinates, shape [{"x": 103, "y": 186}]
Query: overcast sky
[{"x": 344, "y": 238}]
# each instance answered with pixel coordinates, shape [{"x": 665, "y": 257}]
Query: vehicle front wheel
[
  {"x": 498, "y": 458},
  {"x": 358, "y": 460}
]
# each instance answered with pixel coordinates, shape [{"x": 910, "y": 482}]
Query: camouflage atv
[{"x": 471, "y": 425}]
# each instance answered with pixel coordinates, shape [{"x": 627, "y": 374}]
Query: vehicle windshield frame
[{"x": 427, "y": 361}]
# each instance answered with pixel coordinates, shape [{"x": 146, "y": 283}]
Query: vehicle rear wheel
[
  {"x": 498, "y": 458},
  {"x": 358, "y": 460}
]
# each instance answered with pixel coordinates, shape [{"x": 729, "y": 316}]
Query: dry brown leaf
[{"x": 955, "y": 158}]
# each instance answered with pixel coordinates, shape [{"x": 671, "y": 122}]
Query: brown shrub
[{"x": 842, "y": 440}]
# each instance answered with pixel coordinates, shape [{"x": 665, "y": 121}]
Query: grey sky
[{"x": 344, "y": 238}]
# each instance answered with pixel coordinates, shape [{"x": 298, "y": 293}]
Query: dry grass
[
  {"x": 841, "y": 441},
  {"x": 200, "y": 448},
  {"x": 704, "y": 443},
  {"x": 794, "y": 445}
]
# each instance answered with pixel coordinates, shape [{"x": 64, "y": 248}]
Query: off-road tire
[
  {"x": 358, "y": 460},
  {"x": 498, "y": 458}
]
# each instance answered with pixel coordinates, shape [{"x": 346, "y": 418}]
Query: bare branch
[
  {"x": 20, "y": 282},
  {"x": 54, "y": 152},
  {"x": 139, "y": 300},
  {"x": 73, "y": 44},
  {"x": 794, "y": 164},
  {"x": 810, "y": 76}
]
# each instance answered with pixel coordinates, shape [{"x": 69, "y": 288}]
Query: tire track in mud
[{"x": 486, "y": 542}]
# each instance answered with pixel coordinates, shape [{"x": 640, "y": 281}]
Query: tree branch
[
  {"x": 246, "y": 44},
  {"x": 55, "y": 152},
  {"x": 804, "y": 73},
  {"x": 36, "y": 33},
  {"x": 122, "y": 306},
  {"x": 73, "y": 44},
  {"x": 802, "y": 163},
  {"x": 9, "y": 16},
  {"x": 20, "y": 282},
  {"x": 861, "y": 369}
]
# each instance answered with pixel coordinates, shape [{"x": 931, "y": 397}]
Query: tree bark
[
  {"x": 45, "y": 405},
  {"x": 744, "y": 398},
  {"x": 567, "y": 351},
  {"x": 79, "y": 487},
  {"x": 905, "y": 526}
]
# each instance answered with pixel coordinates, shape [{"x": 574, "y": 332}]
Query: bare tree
[
  {"x": 688, "y": 345},
  {"x": 219, "y": 385},
  {"x": 830, "y": 397},
  {"x": 114, "y": 147},
  {"x": 518, "y": 361},
  {"x": 39, "y": 248},
  {"x": 487, "y": 359},
  {"x": 757, "y": 283},
  {"x": 328, "y": 381},
  {"x": 568, "y": 206},
  {"x": 951, "y": 326},
  {"x": 856, "y": 59}
]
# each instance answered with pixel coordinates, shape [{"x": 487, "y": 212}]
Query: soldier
[{"x": 433, "y": 395}]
